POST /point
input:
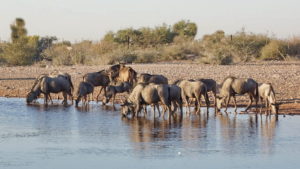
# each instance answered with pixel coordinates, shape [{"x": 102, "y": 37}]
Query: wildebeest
[
  {"x": 232, "y": 86},
  {"x": 111, "y": 91},
  {"x": 193, "y": 89},
  {"x": 46, "y": 85},
  {"x": 146, "y": 94},
  {"x": 175, "y": 97},
  {"x": 211, "y": 86},
  {"x": 113, "y": 71},
  {"x": 267, "y": 94},
  {"x": 84, "y": 89},
  {"x": 148, "y": 78},
  {"x": 97, "y": 79},
  {"x": 122, "y": 73}
]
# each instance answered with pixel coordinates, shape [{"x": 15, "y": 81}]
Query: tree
[
  {"x": 23, "y": 49},
  {"x": 109, "y": 36},
  {"x": 128, "y": 36},
  {"x": 185, "y": 28},
  {"x": 43, "y": 44},
  {"x": 18, "y": 30},
  {"x": 163, "y": 35}
]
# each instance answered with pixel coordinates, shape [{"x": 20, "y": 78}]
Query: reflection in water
[
  {"x": 56, "y": 134},
  {"x": 232, "y": 134}
]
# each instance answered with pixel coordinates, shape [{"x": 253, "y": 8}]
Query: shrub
[
  {"x": 274, "y": 50},
  {"x": 147, "y": 55},
  {"x": 21, "y": 52}
]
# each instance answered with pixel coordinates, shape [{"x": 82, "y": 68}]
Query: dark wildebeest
[
  {"x": 267, "y": 94},
  {"x": 175, "y": 97},
  {"x": 193, "y": 89},
  {"x": 97, "y": 79},
  {"x": 148, "y": 78},
  {"x": 53, "y": 74},
  {"x": 211, "y": 86},
  {"x": 111, "y": 91},
  {"x": 46, "y": 85},
  {"x": 232, "y": 86},
  {"x": 84, "y": 89},
  {"x": 146, "y": 94}
]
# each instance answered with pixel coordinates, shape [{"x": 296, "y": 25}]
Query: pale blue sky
[{"x": 76, "y": 20}]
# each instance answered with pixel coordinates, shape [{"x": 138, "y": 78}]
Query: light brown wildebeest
[
  {"x": 84, "y": 89},
  {"x": 100, "y": 78},
  {"x": 267, "y": 94},
  {"x": 148, "y": 78},
  {"x": 127, "y": 74},
  {"x": 146, "y": 94},
  {"x": 193, "y": 89},
  {"x": 232, "y": 86},
  {"x": 121, "y": 73},
  {"x": 113, "y": 71},
  {"x": 46, "y": 85}
]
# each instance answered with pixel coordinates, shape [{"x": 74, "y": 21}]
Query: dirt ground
[{"x": 284, "y": 76}]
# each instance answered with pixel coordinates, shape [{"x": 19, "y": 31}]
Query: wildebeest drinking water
[
  {"x": 97, "y": 79},
  {"x": 232, "y": 86},
  {"x": 84, "y": 89},
  {"x": 193, "y": 89},
  {"x": 111, "y": 91},
  {"x": 146, "y": 94},
  {"x": 46, "y": 84},
  {"x": 267, "y": 94}
]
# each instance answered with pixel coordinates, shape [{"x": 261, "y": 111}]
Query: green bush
[{"x": 21, "y": 52}]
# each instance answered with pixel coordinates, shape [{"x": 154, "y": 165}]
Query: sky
[{"x": 77, "y": 20}]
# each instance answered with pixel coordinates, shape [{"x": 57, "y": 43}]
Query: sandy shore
[{"x": 284, "y": 76}]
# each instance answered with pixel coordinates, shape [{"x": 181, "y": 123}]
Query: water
[{"x": 36, "y": 137}]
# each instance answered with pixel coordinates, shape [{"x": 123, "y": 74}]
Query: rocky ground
[{"x": 284, "y": 76}]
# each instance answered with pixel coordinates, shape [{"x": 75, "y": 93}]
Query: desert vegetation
[{"x": 147, "y": 45}]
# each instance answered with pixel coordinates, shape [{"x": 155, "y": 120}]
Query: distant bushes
[{"x": 147, "y": 45}]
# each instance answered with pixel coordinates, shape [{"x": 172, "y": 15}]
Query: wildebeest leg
[
  {"x": 174, "y": 106},
  {"x": 77, "y": 100},
  {"x": 145, "y": 110},
  {"x": 184, "y": 98},
  {"x": 153, "y": 109},
  {"x": 227, "y": 99},
  {"x": 198, "y": 100},
  {"x": 99, "y": 94},
  {"x": 250, "y": 102},
  {"x": 65, "y": 101},
  {"x": 267, "y": 107},
  {"x": 206, "y": 101},
  {"x": 136, "y": 111},
  {"x": 113, "y": 100},
  {"x": 85, "y": 99},
  {"x": 157, "y": 107},
  {"x": 46, "y": 99},
  {"x": 235, "y": 107},
  {"x": 50, "y": 99}
]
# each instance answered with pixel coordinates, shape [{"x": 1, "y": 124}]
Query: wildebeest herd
[{"x": 154, "y": 90}]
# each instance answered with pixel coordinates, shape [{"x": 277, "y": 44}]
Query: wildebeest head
[
  {"x": 32, "y": 95},
  {"x": 127, "y": 108}
]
